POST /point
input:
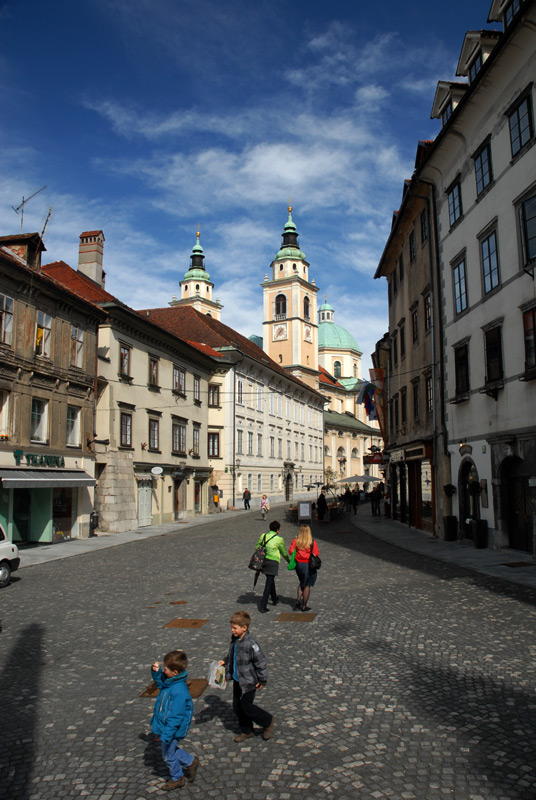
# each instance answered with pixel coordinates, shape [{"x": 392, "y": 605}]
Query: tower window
[
  {"x": 306, "y": 308},
  {"x": 337, "y": 369},
  {"x": 280, "y": 306}
]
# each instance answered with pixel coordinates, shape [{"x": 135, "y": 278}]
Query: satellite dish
[{"x": 157, "y": 471}]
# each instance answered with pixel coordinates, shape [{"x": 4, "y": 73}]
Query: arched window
[
  {"x": 337, "y": 369},
  {"x": 340, "y": 452},
  {"x": 355, "y": 370},
  {"x": 327, "y": 451},
  {"x": 280, "y": 306},
  {"x": 355, "y": 453},
  {"x": 306, "y": 308}
]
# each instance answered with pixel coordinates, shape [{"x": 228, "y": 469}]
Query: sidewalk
[{"x": 461, "y": 553}]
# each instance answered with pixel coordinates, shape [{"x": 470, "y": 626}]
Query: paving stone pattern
[{"x": 415, "y": 680}]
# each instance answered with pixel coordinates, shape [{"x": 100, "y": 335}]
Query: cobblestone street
[{"x": 416, "y": 679}]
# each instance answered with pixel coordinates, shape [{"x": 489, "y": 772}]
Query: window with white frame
[
  {"x": 527, "y": 225},
  {"x": 429, "y": 394},
  {"x": 259, "y": 444},
  {"x": 196, "y": 439},
  {"x": 279, "y": 405},
  {"x": 179, "y": 380},
  {"x": 250, "y": 443},
  {"x": 43, "y": 334},
  {"x": 77, "y": 346},
  {"x": 490, "y": 262},
  {"x": 521, "y": 124},
  {"x": 289, "y": 416},
  {"x": 239, "y": 442},
  {"x": 259, "y": 398},
  {"x": 124, "y": 360},
  {"x": 214, "y": 395},
  {"x": 454, "y": 196},
  {"x": 240, "y": 391},
  {"x": 475, "y": 67},
  {"x": 39, "y": 421},
  {"x": 153, "y": 371},
  {"x": 73, "y": 426},
  {"x": 126, "y": 429},
  {"x": 179, "y": 438},
  {"x": 272, "y": 447},
  {"x": 154, "y": 431},
  {"x": 460, "y": 286},
  {"x": 6, "y": 319},
  {"x": 483, "y": 172},
  {"x": 214, "y": 445},
  {"x": 280, "y": 448},
  {"x": 259, "y": 482},
  {"x": 271, "y": 402},
  {"x": 427, "y": 312},
  {"x": 272, "y": 484},
  {"x": 197, "y": 389}
]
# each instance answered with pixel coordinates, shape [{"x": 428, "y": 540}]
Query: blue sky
[{"x": 145, "y": 118}]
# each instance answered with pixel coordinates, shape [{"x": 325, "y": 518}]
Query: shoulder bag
[
  {"x": 257, "y": 559},
  {"x": 315, "y": 562}
]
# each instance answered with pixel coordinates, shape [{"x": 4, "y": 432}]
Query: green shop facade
[{"x": 45, "y": 497}]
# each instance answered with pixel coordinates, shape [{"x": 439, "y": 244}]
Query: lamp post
[{"x": 234, "y": 468}]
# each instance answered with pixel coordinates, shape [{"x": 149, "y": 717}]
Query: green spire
[{"x": 197, "y": 269}]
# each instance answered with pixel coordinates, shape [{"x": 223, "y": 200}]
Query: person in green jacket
[{"x": 275, "y": 548}]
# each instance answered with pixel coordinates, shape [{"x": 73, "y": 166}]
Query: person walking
[
  {"x": 355, "y": 500},
  {"x": 246, "y": 665},
  {"x": 246, "y": 497},
  {"x": 265, "y": 506},
  {"x": 275, "y": 548},
  {"x": 172, "y": 717},
  {"x": 304, "y": 545}
]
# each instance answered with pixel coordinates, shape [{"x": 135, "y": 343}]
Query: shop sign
[
  {"x": 38, "y": 459},
  {"x": 397, "y": 455}
]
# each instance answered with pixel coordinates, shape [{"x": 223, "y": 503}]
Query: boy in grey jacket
[{"x": 246, "y": 665}]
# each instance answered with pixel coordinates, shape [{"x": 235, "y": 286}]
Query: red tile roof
[
  {"x": 327, "y": 379},
  {"x": 84, "y": 287},
  {"x": 186, "y": 321},
  {"x": 90, "y": 233}
]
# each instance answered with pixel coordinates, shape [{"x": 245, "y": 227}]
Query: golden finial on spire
[
  {"x": 290, "y": 205},
  {"x": 198, "y": 234}
]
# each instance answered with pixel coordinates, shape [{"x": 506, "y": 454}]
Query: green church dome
[{"x": 333, "y": 337}]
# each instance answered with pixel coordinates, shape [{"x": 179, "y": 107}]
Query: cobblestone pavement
[{"x": 416, "y": 679}]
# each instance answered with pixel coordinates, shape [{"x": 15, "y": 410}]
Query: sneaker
[
  {"x": 170, "y": 784},
  {"x": 192, "y": 769},
  {"x": 243, "y": 736},
  {"x": 267, "y": 732}
]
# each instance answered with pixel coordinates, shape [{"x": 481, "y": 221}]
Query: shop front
[
  {"x": 412, "y": 488},
  {"x": 43, "y": 500}
]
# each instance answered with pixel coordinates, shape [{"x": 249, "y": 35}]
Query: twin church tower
[{"x": 290, "y": 316}]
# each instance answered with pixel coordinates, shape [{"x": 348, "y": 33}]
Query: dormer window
[
  {"x": 475, "y": 67},
  {"x": 446, "y": 113},
  {"x": 510, "y": 11}
]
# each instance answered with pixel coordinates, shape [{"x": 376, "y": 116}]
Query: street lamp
[{"x": 234, "y": 469}]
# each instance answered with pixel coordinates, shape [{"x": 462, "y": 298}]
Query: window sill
[
  {"x": 196, "y": 456},
  {"x": 459, "y": 398},
  {"x": 492, "y": 389},
  {"x": 154, "y": 450},
  {"x": 153, "y": 387},
  {"x": 125, "y": 447},
  {"x": 125, "y": 378},
  {"x": 198, "y": 403},
  {"x": 73, "y": 446},
  {"x": 528, "y": 375},
  {"x": 40, "y": 441},
  {"x": 178, "y": 453},
  {"x": 178, "y": 393}
]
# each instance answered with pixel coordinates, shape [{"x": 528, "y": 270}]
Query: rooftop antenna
[
  {"x": 50, "y": 210},
  {"x": 21, "y": 206}
]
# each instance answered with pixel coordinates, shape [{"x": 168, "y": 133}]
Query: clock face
[
  {"x": 308, "y": 333},
  {"x": 280, "y": 332}
]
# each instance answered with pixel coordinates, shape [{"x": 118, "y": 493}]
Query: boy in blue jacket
[{"x": 172, "y": 717}]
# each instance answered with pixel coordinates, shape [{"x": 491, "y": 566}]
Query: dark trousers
[
  {"x": 269, "y": 591},
  {"x": 246, "y": 711}
]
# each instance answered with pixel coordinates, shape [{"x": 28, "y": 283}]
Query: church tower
[
  {"x": 196, "y": 286},
  {"x": 290, "y": 332}
]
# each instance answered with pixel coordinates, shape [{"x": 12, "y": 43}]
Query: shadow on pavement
[{"x": 19, "y": 701}]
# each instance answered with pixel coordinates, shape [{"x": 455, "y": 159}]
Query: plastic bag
[{"x": 216, "y": 675}]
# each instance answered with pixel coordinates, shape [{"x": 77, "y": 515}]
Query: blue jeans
[{"x": 176, "y": 759}]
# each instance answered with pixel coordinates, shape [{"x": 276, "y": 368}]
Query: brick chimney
[
  {"x": 90, "y": 254},
  {"x": 27, "y": 246}
]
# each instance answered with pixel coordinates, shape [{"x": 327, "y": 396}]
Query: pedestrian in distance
[
  {"x": 246, "y": 497},
  {"x": 265, "y": 506},
  {"x": 321, "y": 505},
  {"x": 355, "y": 500},
  {"x": 375, "y": 497},
  {"x": 172, "y": 716},
  {"x": 275, "y": 548},
  {"x": 304, "y": 545},
  {"x": 246, "y": 665}
]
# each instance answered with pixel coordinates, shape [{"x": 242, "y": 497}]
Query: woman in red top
[{"x": 303, "y": 544}]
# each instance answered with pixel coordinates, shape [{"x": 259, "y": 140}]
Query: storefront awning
[{"x": 44, "y": 478}]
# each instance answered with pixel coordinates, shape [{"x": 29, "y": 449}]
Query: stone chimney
[
  {"x": 27, "y": 246},
  {"x": 90, "y": 255}
]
